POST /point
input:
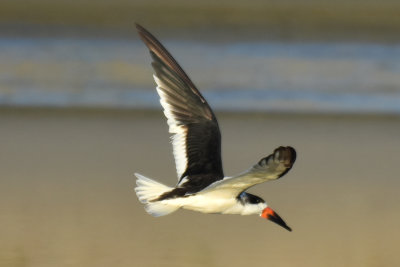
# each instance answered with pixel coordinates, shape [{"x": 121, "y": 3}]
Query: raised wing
[
  {"x": 271, "y": 167},
  {"x": 196, "y": 137}
]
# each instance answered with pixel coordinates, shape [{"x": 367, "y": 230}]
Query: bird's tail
[{"x": 148, "y": 190}]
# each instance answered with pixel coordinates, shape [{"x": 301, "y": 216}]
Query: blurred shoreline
[
  {"x": 289, "y": 56},
  {"x": 330, "y": 78},
  {"x": 237, "y": 115}
]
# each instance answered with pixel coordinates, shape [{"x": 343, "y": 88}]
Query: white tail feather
[{"x": 148, "y": 190}]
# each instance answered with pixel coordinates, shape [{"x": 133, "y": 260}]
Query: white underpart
[
  {"x": 213, "y": 202},
  {"x": 208, "y": 202},
  {"x": 179, "y": 131}
]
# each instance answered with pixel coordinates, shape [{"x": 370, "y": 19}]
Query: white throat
[{"x": 247, "y": 209}]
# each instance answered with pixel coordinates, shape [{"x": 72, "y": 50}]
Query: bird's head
[
  {"x": 252, "y": 204},
  {"x": 255, "y": 205}
]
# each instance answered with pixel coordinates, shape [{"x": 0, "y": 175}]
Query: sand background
[{"x": 67, "y": 199}]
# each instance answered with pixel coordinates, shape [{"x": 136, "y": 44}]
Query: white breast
[{"x": 212, "y": 202}]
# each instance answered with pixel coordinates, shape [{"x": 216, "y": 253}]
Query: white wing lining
[{"x": 179, "y": 131}]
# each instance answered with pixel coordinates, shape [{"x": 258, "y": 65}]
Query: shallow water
[
  {"x": 255, "y": 76},
  {"x": 67, "y": 199}
]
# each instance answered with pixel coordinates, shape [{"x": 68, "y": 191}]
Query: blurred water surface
[{"x": 248, "y": 76}]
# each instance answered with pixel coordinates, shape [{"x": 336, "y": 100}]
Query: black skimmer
[{"x": 196, "y": 142}]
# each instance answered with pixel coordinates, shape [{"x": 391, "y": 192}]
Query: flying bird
[{"x": 196, "y": 142}]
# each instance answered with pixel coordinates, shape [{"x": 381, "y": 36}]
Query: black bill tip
[{"x": 271, "y": 215}]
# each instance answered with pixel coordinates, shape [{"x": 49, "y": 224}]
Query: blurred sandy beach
[{"x": 67, "y": 194}]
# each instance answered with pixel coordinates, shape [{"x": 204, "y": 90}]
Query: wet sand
[{"x": 67, "y": 199}]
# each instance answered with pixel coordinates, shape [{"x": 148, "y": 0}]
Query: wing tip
[
  {"x": 144, "y": 34},
  {"x": 285, "y": 154},
  {"x": 150, "y": 40},
  {"x": 140, "y": 28}
]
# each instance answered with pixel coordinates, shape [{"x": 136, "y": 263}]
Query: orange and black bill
[{"x": 271, "y": 215}]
